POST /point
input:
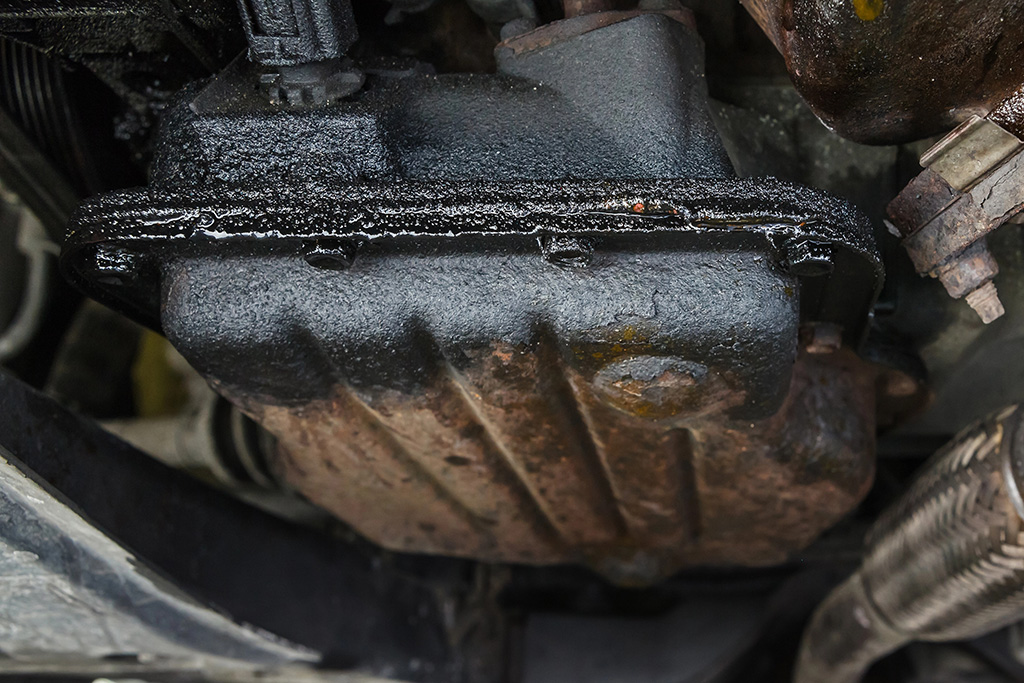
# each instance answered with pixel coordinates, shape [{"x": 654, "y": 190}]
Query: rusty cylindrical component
[{"x": 946, "y": 562}]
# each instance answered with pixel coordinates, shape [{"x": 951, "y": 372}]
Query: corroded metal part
[
  {"x": 973, "y": 183},
  {"x": 881, "y": 71},
  {"x": 517, "y": 457}
]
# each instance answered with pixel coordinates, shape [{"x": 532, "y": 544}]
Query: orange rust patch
[{"x": 519, "y": 458}]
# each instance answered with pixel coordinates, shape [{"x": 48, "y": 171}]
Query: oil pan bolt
[
  {"x": 113, "y": 265},
  {"x": 562, "y": 250},
  {"x": 807, "y": 258},
  {"x": 330, "y": 254}
]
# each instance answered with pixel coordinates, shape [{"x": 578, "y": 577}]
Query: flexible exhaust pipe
[{"x": 946, "y": 562}]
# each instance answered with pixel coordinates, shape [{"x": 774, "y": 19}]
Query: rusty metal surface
[
  {"x": 882, "y": 71},
  {"x": 520, "y": 457},
  {"x": 972, "y": 184},
  {"x": 969, "y": 217},
  {"x": 974, "y": 267},
  {"x": 921, "y": 200}
]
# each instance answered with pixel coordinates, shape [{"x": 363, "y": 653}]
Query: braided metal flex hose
[{"x": 946, "y": 562}]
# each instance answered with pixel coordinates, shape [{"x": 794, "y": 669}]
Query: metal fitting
[
  {"x": 969, "y": 276},
  {"x": 311, "y": 85},
  {"x": 973, "y": 182},
  {"x": 291, "y": 32}
]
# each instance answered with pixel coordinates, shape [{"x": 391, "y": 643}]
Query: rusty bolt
[
  {"x": 985, "y": 300},
  {"x": 565, "y": 250},
  {"x": 330, "y": 254},
  {"x": 969, "y": 276},
  {"x": 807, "y": 258},
  {"x": 968, "y": 271}
]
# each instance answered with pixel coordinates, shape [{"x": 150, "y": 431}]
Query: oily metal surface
[
  {"x": 525, "y": 317},
  {"x": 572, "y": 109},
  {"x": 886, "y": 71},
  {"x": 139, "y": 229}
]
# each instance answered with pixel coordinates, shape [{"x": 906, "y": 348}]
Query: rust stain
[{"x": 521, "y": 455}]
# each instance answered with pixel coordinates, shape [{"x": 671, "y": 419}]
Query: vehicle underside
[{"x": 510, "y": 341}]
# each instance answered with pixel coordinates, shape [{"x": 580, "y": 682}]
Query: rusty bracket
[{"x": 973, "y": 182}]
